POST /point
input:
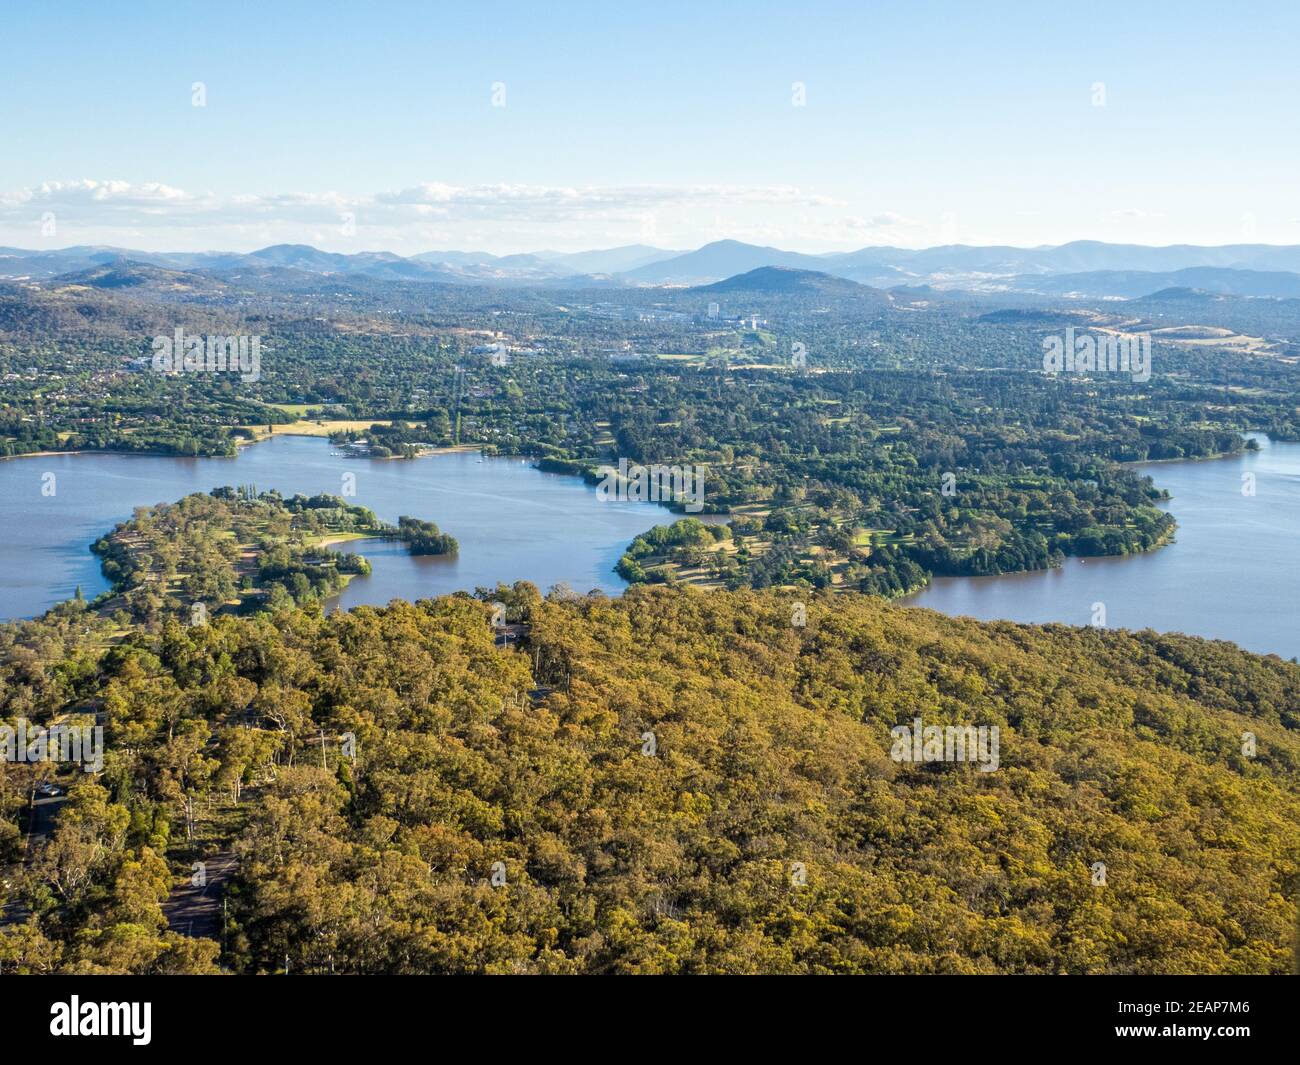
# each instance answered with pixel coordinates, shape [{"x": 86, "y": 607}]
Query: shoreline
[
  {"x": 905, "y": 598},
  {"x": 44, "y": 454},
  {"x": 345, "y": 538},
  {"x": 1193, "y": 458},
  {"x": 240, "y": 444},
  {"x": 112, "y": 451}
]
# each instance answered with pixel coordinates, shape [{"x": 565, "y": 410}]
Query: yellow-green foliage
[{"x": 771, "y": 747}]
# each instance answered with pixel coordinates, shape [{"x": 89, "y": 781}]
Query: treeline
[{"x": 400, "y": 439}]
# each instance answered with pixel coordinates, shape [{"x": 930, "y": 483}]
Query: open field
[{"x": 315, "y": 428}]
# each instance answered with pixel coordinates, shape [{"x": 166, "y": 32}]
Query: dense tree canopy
[{"x": 672, "y": 781}]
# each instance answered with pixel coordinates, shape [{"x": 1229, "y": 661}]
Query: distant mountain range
[
  {"x": 1133, "y": 284},
  {"x": 1084, "y": 268},
  {"x": 959, "y": 265},
  {"x": 450, "y": 267},
  {"x": 545, "y": 265}
]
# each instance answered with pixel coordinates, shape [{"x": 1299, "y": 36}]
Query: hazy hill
[
  {"x": 787, "y": 281},
  {"x": 370, "y": 264},
  {"x": 20, "y": 262},
  {"x": 1183, "y": 294},
  {"x": 611, "y": 260},
  {"x": 125, "y": 274},
  {"x": 722, "y": 258}
]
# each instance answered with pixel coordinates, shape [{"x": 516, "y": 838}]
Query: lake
[
  {"x": 1232, "y": 574},
  {"x": 513, "y": 522}
]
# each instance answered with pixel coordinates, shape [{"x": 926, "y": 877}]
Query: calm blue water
[
  {"x": 1233, "y": 574},
  {"x": 513, "y": 522}
]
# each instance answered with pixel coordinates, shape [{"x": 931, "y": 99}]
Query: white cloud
[
  {"x": 419, "y": 217},
  {"x": 86, "y": 191}
]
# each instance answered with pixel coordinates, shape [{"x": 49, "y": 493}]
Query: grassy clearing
[
  {"x": 315, "y": 428},
  {"x": 297, "y": 409}
]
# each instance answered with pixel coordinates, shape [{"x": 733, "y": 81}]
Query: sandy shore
[
  {"x": 240, "y": 443},
  {"x": 344, "y": 538},
  {"x": 51, "y": 454}
]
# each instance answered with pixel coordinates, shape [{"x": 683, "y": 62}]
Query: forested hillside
[{"x": 671, "y": 781}]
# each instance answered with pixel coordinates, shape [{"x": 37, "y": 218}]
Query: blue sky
[{"x": 373, "y": 126}]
